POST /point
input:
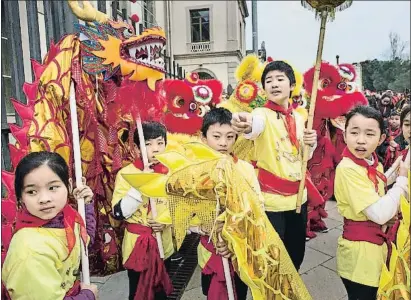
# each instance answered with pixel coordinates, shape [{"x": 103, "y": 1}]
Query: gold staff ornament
[{"x": 324, "y": 9}]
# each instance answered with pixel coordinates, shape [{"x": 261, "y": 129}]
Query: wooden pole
[
  {"x": 227, "y": 275},
  {"x": 79, "y": 174},
  {"x": 312, "y": 107},
  {"x": 143, "y": 152}
]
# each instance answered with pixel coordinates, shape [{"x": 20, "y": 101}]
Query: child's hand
[
  {"x": 91, "y": 287},
  {"x": 404, "y": 168},
  {"x": 393, "y": 144},
  {"x": 157, "y": 227},
  {"x": 310, "y": 137},
  {"x": 391, "y": 222},
  {"x": 83, "y": 192},
  {"x": 242, "y": 122},
  {"x": 222, "y": 249}
]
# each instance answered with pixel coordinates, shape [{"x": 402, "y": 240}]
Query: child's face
[
  {"x": 220, "y": 137},
  {"x": 406, "y": 132},
  {"x": 277, "y": 86},
  {"x": 362, "y": 136},
  {"x": 395, "y": 122},
  {"x": 154, "y": 147},
  {"x": 385, "y": 101},
  {"x": 389, "y": 120},
  {"x": 44, "y": 194}
]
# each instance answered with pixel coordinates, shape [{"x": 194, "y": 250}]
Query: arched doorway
[{"x": 204, "y": 76}]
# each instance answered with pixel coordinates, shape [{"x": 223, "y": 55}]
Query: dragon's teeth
[{"x": 132, "y": 52}]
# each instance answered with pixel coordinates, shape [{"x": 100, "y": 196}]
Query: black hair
[
  {"x": 405, "y": 111},
  {"x": 151, "y": 130},
  {"x": 386, "y": 95},
  {"x": 281, "y": 66},
  {"x": 219, "y": 115},
  {"x": 368, "y": 112},
  {"x": 35, "y": 160},
  {"x": 395, "y": 112}
]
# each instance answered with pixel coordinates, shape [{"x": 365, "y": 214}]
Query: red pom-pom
[{"x": 135, "y": 17}]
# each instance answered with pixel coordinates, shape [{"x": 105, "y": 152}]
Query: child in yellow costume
[
  {"x": 249, "y": 94},
  {"x": 218, "y": 134},
  {"x": 208, "y": 182},
  {"x": 147, "y": 274},
  {"x": 361, "y": 200},
  {"x": 395, "y": 278},
  {"x": 279, "y": 137},
  {"x": 43, "y": 259}
]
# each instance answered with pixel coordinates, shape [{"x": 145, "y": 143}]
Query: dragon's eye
[
  {"x": 127, "y": 33},
  {"x": 325, "y": 83},
  {"x": 201, "y": 111},
  {"x": 178, "y": 102},
  {"x": 193, "y": 106},
  {"x": 342, "y": 86}
]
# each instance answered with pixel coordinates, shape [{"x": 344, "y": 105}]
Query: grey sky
[{"x": 360, "y": 32}]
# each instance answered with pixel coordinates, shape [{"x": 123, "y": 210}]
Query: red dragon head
[
  {"x": 337, "y": 91},
  {"x": 188, "y": 101}
]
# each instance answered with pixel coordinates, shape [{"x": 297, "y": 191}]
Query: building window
[
  {"x": 6, "y": 64},
  {"x": 148, "y": 14},
  {"x": 200, "y": 25}
]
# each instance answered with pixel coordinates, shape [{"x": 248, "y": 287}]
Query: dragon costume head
[
  {"x": 337, "y": 91},
  {"x": 188, "y": 100},
  {"x": 112, "y": 48}
]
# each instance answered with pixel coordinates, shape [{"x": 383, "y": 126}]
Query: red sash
[
  {"x": 145, "y": 258},
  {"x": 289, "y": 123},
  {"x": 75, "y": 289},
  {"x": 273, "y": 184},
  {"x": 214, "y": 267},
  {"x": 372, "y": 171},
  {"x": 70, "y": 217},
  {"x": 366, "y": 231}
]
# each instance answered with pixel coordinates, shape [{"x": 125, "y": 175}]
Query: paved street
[{"x": 318, "y": 270}]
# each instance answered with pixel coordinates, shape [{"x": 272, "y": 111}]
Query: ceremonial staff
[
  {"x": 78, "y": 175},
  {"x": 324, "y": 9}
]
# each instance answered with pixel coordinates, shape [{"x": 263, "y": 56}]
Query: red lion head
[
  {"x": 188, "y": 101},
  {"x": 337, "y": 91}
]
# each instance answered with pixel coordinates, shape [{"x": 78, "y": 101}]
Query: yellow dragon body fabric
[
  {"x": 208, "y": 185},
  {"x": 395, "y": 279}
]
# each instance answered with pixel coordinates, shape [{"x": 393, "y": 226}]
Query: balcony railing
[{"x": 200, "y": 47}]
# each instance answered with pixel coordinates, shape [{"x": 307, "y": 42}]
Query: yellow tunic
[
  {"x": 140, "y": 216},
  {"x": 359, "y": 262},
  {"x": 37, "y": 266},
  {"x": 247, "y": 170},
  {"x": 277, "y": 155}
]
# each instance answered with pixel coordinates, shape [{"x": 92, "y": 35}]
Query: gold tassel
[{"x": 330, "y": 6}]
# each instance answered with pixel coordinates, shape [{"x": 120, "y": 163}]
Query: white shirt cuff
[{"x": 257, "y": 128}]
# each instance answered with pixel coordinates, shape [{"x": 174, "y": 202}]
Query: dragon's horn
[{"x": 88, "y": 13}]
